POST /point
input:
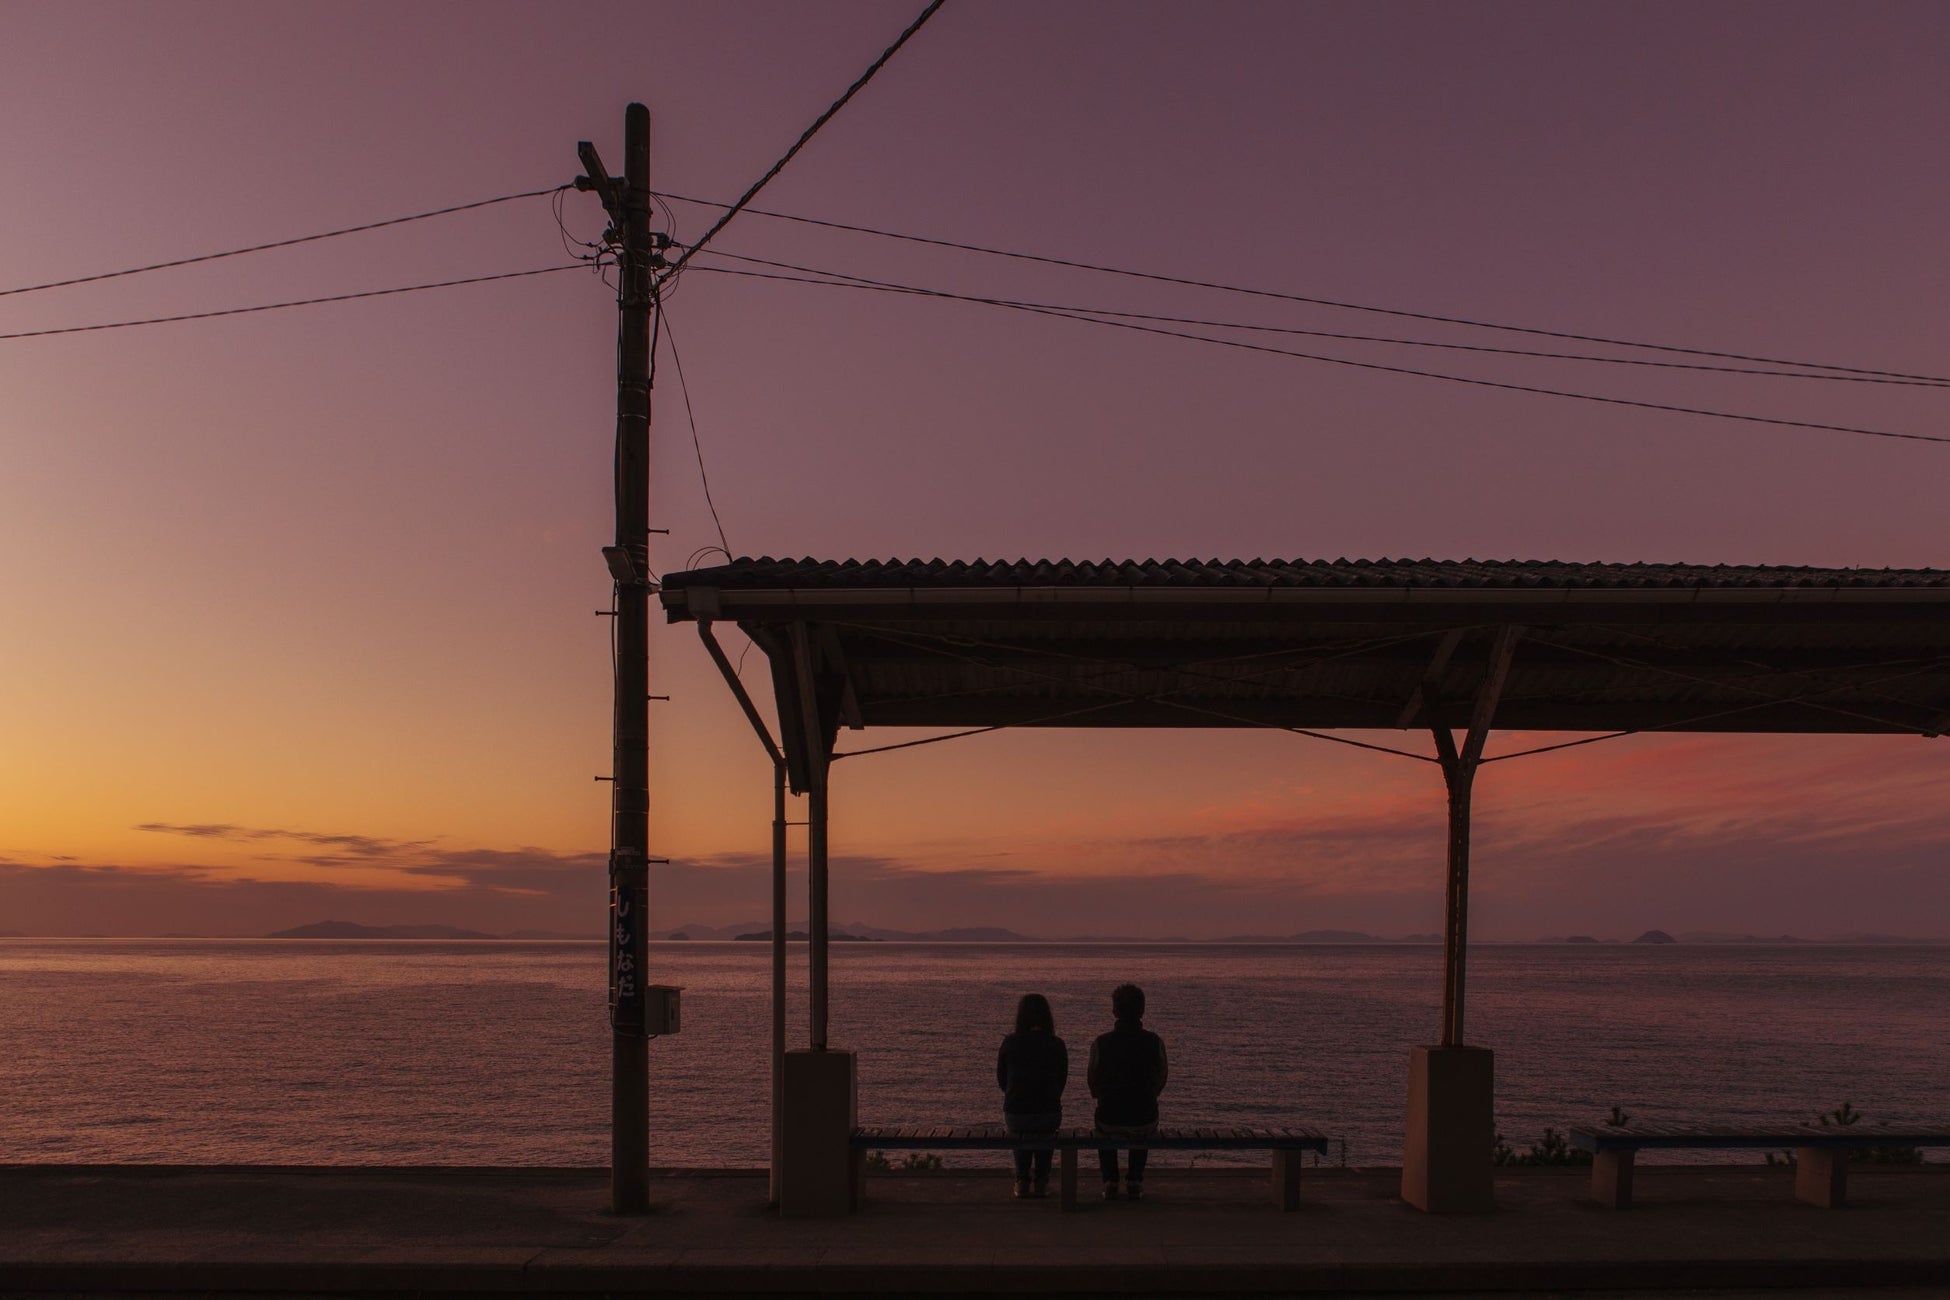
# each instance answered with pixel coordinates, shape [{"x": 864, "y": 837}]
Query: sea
[{"x": 497, "y": 1053}]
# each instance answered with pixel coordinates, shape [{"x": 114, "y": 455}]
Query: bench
[
  {"x": 1288, "y": 1145},
  {"x": 1820, "y": 1155}
]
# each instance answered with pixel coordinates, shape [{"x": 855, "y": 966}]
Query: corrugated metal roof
[
  {"x": 1334, "y": 644},
  {"x": 748, "y": 574}
]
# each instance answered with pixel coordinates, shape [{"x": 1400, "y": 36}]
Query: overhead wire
[
  {"x": 733, "y": 209},
  {"x": 690, "y": 414},
  {"x": 1208, "y": 323},
  {"x": 281, "y": 243},
  {"x": 668, "y": 279},
  {"x": 845, "y": 281},
  {"x": 295, "y": 302},
  {"x": 598, "y": 251},
  {"x": 1308, "y": 299}
]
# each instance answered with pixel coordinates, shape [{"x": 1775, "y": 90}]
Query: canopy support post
[
  {"x": 1459, "y": 764},
  {"x": 821, "y": 1174},
  {"x": 819, "y": 757},
  {"x": 778, "y": 970},
  {"x": 777, "y": 756},
  {"x": 1451, "y": 1088}
]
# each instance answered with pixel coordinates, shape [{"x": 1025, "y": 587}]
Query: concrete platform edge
[{"x": 312, "y": 1277}]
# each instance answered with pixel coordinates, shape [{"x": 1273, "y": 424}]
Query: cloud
[
  {"x": 523, "y": 870},
  {"x": 495, "y": 890},
  {"x": 357, "y": 846},
  {"x": 886, "y": 891},
  {"x": 1816, "y": 836},
  {"x": 202, "y": 830},
  {"x": 68, "y": 869},
  {"x": 109, "y": 898}
]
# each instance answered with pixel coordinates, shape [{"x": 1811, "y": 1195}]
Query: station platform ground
[{"x": 1717, "y": 1231}]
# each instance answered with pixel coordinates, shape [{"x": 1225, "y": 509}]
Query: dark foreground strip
[{"x": 389, "y": 1278}]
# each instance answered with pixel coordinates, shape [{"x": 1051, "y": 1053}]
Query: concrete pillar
[
  {"x": 1446, "y": 1165},
  {"x": 817, "y": 1119},
  {"x": 1821, "y": 1176},
  {"x": 1611, "y": 1178},
  {"x": 1286, "y": 1178}
]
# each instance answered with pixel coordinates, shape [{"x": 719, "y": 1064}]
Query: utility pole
[{"x": 628, "y": 205}]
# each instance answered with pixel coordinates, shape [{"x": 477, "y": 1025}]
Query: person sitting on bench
[
  {"x": 1031, "y": 1069},
  {"x": 1127, "y": 1072}
]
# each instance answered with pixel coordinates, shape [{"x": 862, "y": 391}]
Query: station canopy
[{"x": 1333, "y": 644}]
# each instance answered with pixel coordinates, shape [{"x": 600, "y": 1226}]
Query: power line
[
  {"x": 296, "y": 302},
  {"x": 734, "y": 209},
  {"x": 684, "y": 387},
  {"x": 280, "y": 243},
  {"x": 1350, "y": 338},
  {"x": 1160, "y": 278},
  {"x": 859, "y": 282}
]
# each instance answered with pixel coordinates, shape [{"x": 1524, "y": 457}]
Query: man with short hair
[{"x": 1127, "y": 1072}]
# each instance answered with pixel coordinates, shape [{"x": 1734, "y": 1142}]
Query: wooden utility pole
[{"x": 628, "y": 205}]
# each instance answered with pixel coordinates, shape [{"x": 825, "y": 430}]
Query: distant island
[
  {"x": 858, "y": 932},
  {"x": 1314, "y": 936},
  {"x": 849, "y": 932},
  {"x": 354, "y": 930}
]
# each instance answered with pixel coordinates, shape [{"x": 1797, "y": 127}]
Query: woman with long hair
[{"x": 1031, "y": 1069}]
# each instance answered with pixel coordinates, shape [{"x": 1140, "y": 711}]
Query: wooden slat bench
[
  {"x": 1820, "y": 1155},
  {"x": 1288, "y": 1146}
]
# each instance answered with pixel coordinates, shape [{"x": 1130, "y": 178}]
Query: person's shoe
[
  {"x": 1136, "y": 1192},
  {"x": 1022, "y": 1191},
  {"x": 1110, "y": 1191},
  {"x": 1041, "y": 1189}
]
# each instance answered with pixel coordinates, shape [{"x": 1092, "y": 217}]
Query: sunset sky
[{"x": 298, "y": 605}]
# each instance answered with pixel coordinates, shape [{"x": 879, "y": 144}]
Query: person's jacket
[
  {"x": 1127, "y": 1072},
  {"x": 1031, "y": 1069}
]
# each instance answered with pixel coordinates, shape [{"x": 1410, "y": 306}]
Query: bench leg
[
  {"x": 1821, "y": 1176},
  {"x": 1286, "y": 1178},
  {"x": 1068, "y": 1197},
  {"x": 1611, "y": 1178}
]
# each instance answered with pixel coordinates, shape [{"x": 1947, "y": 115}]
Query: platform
[{"x": 224, "y": 1230}]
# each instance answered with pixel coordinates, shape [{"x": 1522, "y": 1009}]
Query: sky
[{"x": 299, "y": 604}]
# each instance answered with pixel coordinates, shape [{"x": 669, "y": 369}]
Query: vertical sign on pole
[{"x": 626, "y": 904}]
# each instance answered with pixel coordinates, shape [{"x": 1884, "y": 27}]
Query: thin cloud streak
[
  {"x": 1676, "y": 833},
  {"x": 364, "y": 846}
]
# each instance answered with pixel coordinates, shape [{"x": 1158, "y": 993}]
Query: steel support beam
[
  {"x": 773, "y": 752},
  {"x": 1459, "y": 764},
  {"x": 778, "y": 970},
  {"x": 819, "y": 756}
]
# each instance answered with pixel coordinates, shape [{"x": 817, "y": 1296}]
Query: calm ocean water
[{"x": 206, "y": 1051}]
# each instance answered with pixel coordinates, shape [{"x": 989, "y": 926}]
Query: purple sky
[{"x": 316, "y": 585}]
